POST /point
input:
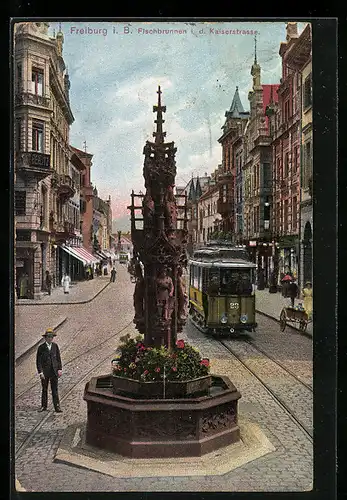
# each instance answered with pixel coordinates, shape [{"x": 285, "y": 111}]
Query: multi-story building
[
  {"x": 43, "y": 183},
  {"x": 86, "y": 196},
  {"x": 236, "y": 118},
  {"x": 257, "y": 168},
  {"x": 299, "y": 58},
  {"x": 207, "y": 213},
  {"x": 102, "y": 224},
  {"x": 194, "y": 190},
  {"x": 285, "y": 125}
]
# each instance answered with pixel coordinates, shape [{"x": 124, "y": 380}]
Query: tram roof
[{"x": 228, "y": 263}]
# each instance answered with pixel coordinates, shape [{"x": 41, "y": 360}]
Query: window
[
  {"x": 19, "y": 76},
  {"x": 37, "y": 81},
  {"x": 285, "y": 216},
  {"x": 286, "y": 111},
  {"x": 278, "y": 216},
  {"x": 18, "y": 133},
  {"x": 295, "y": 213},
  {"x": 37, "y": 137},
  {"x": 279, "y": 170},
  {"x": 286, "y": 165},
  {"x": 296, "y": 158},
  {"x": 20, "y": 202},
  {"x": 307, "y": 173},
  {"x": 308, "y": 91}
]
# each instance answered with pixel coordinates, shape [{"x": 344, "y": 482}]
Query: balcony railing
[
  {"x": 224, "y": 207},
  {"x": 26, "y": 98},
  {"x": 34, "y": 163},
  {"x": 66, "y": 186}
]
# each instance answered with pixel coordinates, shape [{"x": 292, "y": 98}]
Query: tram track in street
[
  {"x": 22, "y": 447},
  {"x": 280, "y": 400},
  {"x": 82, "y": 354}
]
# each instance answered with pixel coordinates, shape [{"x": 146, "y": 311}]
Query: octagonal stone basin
[{"x": 161, "y": 428}]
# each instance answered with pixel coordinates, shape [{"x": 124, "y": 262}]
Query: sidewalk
[
  {"x": 29, "y": 331},
  {"x": 81, "y": 292},
  {"x": 271, "y": 304}
]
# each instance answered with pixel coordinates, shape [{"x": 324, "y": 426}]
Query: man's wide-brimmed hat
[
  {"x": 49, "y": 331},
  {"x": 287, "y": 277}
]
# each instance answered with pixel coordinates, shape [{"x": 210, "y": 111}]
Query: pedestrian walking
[
  {"x": 65, "y": 283},
  {"x": 49, "y": 368},
  {"x": 308, "y": 298},
  {"x": 48, "y": 283},
  {"x": 113, "y": 275},
  {"x": 292, "y": 291}
]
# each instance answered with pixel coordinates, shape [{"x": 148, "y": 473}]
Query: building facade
[
  {"x": 286, "y": 128},
  {"x": 236, "y": 118},
  {"x": 257, "y": 173},
  {"x": 207, "y": 213},
  {"x": 300, "y": 59},
  {"x": 43, "y": 183}
]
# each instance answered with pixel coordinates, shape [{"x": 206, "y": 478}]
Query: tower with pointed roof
[{"x": 159, "y": 245}]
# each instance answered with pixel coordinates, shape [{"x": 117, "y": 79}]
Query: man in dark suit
[{"x": 49, "y": 368}]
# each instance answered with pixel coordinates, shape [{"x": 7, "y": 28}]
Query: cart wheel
[
  {"x": 303, "y": 325},
  {"x": 283, "y": 321}
]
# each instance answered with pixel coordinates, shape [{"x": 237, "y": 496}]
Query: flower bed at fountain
[{"x": 159, "y": 372}]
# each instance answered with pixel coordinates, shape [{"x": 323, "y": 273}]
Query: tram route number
[{"x": 234, "y": 305}]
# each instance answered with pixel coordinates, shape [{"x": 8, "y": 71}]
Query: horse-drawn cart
[{"x": 296, "y": 316}]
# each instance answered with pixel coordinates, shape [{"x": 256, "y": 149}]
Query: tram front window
[{"x": 235, "y": 282}]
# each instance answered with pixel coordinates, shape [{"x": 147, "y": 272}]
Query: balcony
[
  {"x": 26, "y": 99},
  {"x": 224, "y": 207},
  {"x": 62, "y": 230},
  {"x": 87, "y": 191},
  {"x": 33, "y": 164},
  {"x": 65, "y": 187}
]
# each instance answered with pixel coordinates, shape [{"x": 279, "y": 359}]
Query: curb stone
[
  {"x": 33, "y": 347},
  {"x": 64, "y": 303},
  {"x": 306, "y": 334}
]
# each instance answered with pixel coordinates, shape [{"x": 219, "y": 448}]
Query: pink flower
[
  {"x": 180, "y": 344},
  {"x": 174, "y": 368},
  {"x": 157, "y": 369},
  {"x": 125, "y": 369},
  {"x": 205, "y": 362},
  {"x": 145, "y": 372}
]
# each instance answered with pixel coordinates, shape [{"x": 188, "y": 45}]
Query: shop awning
[
  {"x": 101, "y": 254},
  {"x": 81, "y": 254}
]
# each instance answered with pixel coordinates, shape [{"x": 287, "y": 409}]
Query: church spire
[
  {"x": 255, "y": 49},
  {"x": 255, "y": 71},
  {"x": 159, "y": 109}
]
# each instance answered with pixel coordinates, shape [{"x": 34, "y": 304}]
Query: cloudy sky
[{"x": 115, "y": 72}]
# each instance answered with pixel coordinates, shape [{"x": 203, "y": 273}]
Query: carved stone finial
[{"x": 159, "y": 109}]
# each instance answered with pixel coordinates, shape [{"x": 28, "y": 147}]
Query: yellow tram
[{"x": 221, "y": 290}]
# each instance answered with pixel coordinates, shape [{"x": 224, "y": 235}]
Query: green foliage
[{"x": 139, "y": 362}]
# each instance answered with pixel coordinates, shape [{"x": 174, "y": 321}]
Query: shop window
[
  {"x": 37, "y": 136},
  {"x": 37, "y": 81},
  {"x": 20, "y": 202}
]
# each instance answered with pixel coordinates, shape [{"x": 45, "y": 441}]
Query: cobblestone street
[{"x": 262, "y": 365}]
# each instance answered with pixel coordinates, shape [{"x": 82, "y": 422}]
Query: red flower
[
  {"x": 180, "y": 344},
  {"x": 174, "y": 368},
  {"x": 205, "y": 362},
  {"x": 145, "y": 372},
  {"x": 125, "y": 369},
  {"x": 157, "y": 369}
]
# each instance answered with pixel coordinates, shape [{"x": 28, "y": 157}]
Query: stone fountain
[{"x": 129, "y": 417}]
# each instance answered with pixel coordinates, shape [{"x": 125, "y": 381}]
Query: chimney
[{"x": 292, "y": 31}]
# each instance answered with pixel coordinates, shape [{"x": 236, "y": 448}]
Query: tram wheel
[{"x": 283, "y": 321}]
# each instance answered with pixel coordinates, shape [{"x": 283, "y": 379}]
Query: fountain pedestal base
[{"x": 161, "y": 428}]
